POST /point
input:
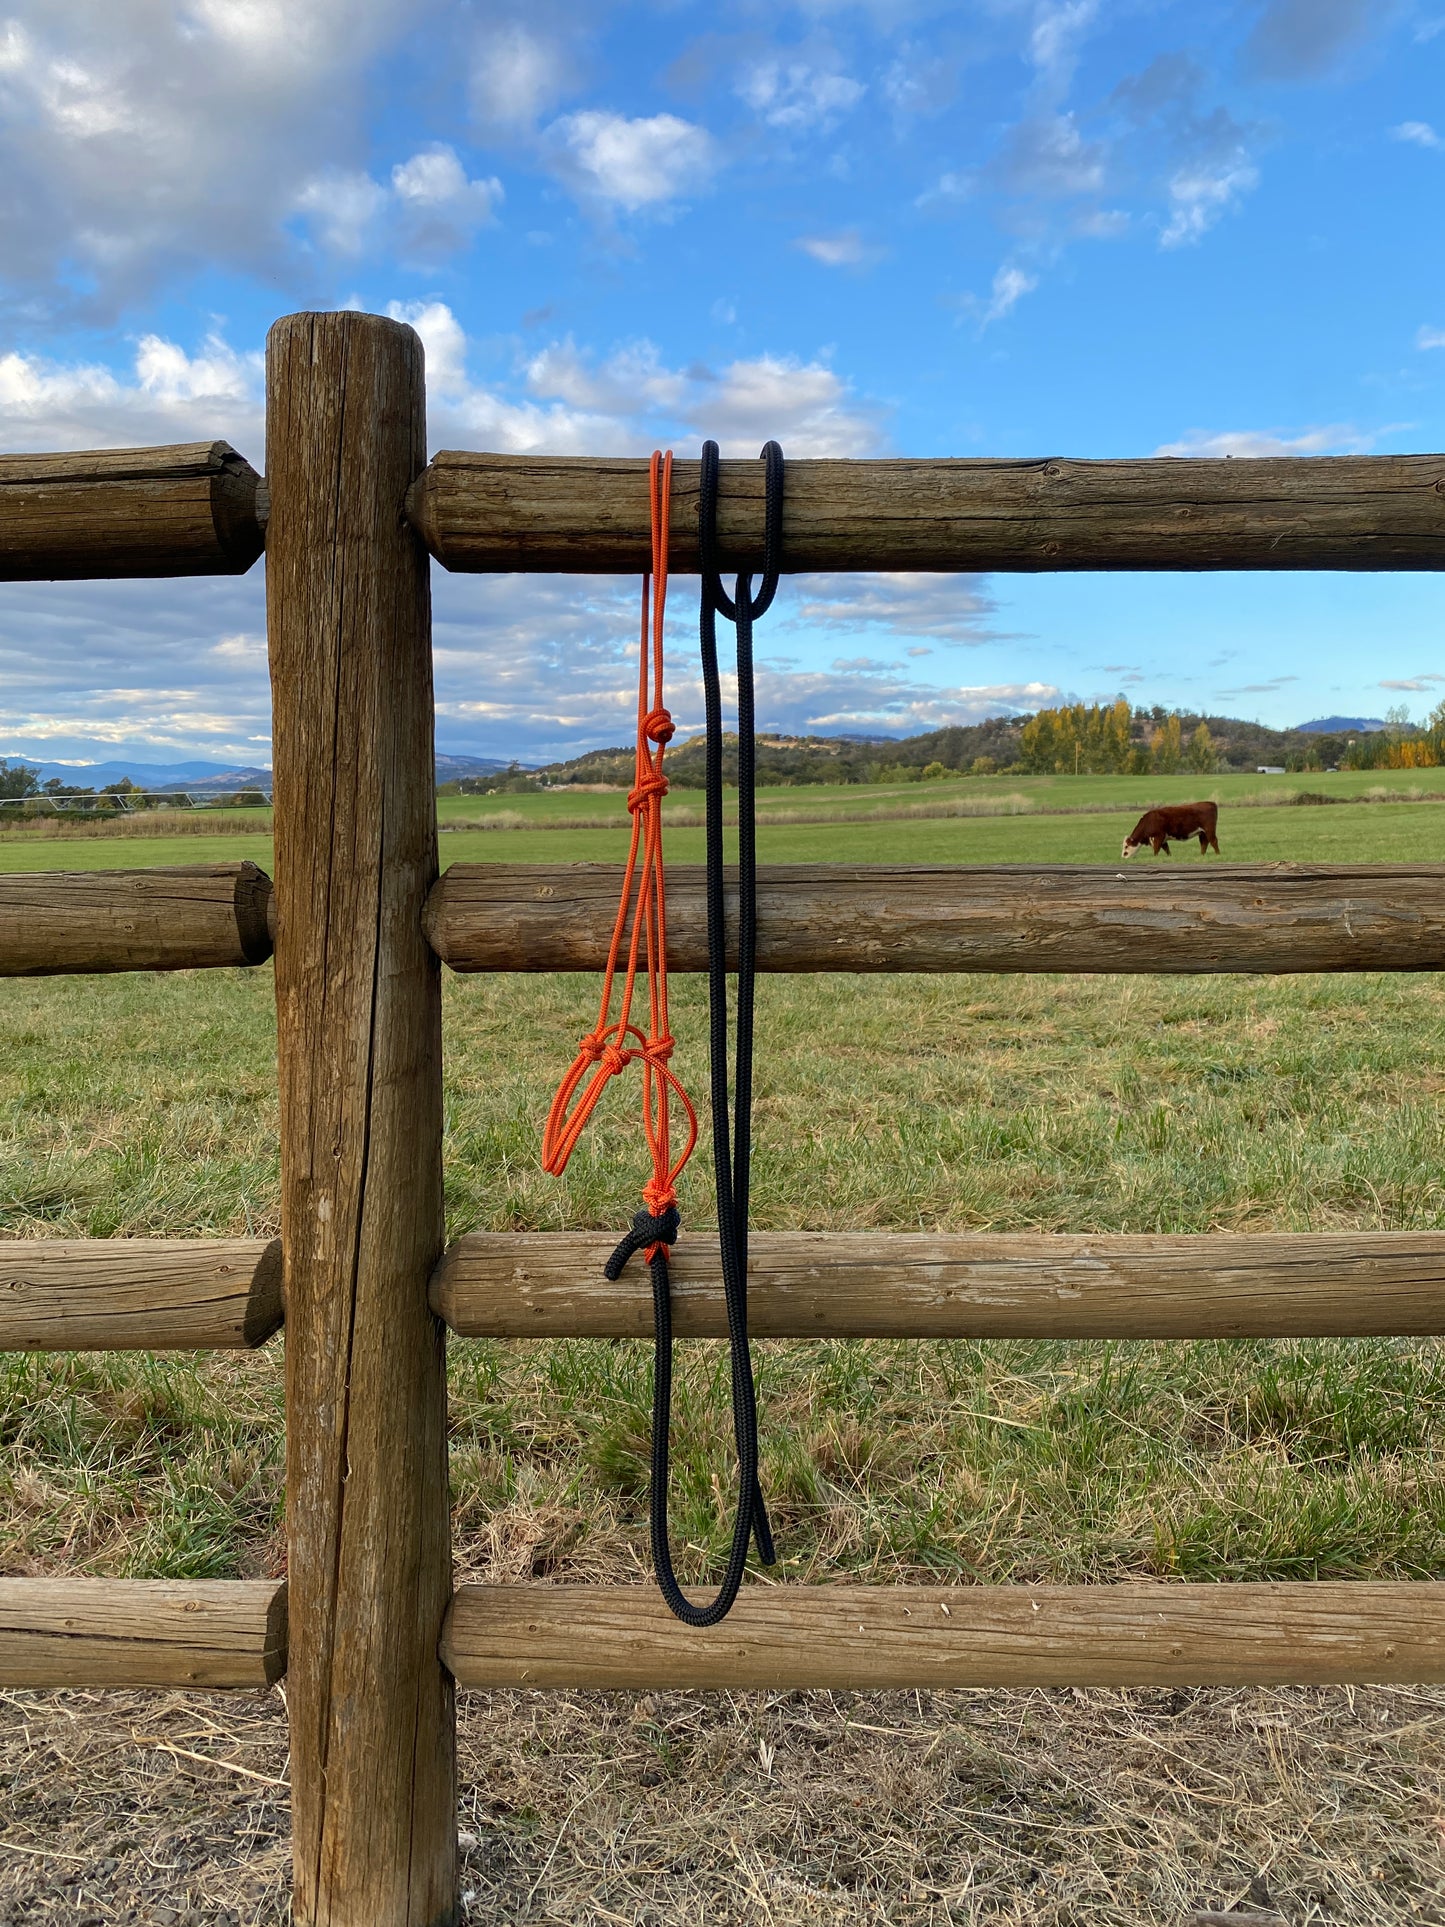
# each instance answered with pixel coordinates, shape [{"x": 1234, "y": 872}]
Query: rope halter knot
[
  {"x": 652, "y": 1231},
  {"x": 658, "y": 726},
  {"x": 654, "y": 783}
]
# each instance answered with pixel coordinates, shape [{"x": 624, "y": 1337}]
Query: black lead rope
[{"x": 731, "y": 1140}]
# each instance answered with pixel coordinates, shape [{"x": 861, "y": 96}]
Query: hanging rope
[
  {"x": 607, "y": 1049},
  {"x": 612, "y": 1044}
]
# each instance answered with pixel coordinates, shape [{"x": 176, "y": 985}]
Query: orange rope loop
[{"x": 639, "y": 935}]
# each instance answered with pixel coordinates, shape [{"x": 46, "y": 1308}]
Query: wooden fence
[{"x": 368, "y": 1629}]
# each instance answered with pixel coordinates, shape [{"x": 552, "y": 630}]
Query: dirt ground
[{"x": 1065, "y": 1808}]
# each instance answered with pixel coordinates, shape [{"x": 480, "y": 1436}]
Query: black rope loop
[
  {"x": 646, "y": 1230},
  {"x": 712, "y": 589},
  {"x": 731, "y": 1136}
]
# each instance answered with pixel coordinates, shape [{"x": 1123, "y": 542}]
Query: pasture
[{"x": 146, "y": 1106}]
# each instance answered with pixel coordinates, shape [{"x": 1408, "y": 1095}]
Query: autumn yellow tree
[{"x": 1166, "y": 747}]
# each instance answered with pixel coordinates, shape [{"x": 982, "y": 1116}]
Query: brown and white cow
[{"x": 1177, "y": 820}]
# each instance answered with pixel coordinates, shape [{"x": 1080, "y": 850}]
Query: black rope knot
[{"x": 646, "y": 1230}]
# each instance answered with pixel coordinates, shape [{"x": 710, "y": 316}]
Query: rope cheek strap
[{"x": 613, "y": 1043}]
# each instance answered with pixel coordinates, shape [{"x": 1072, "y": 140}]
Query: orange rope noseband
[{"x": 609, "y": 1047}]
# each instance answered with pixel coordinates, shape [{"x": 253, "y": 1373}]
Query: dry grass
[
  {"x": 147, "y": 825},
  {"x": 1047, "y": 1809}
]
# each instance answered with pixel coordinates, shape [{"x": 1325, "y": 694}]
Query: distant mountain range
[
  {"x": 199, "y": 778},
  {"x": 1341, "y": 726}
]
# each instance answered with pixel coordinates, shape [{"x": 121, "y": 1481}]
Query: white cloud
[
  {"x": 443, "y": 340},
  {"x": 798, "y": 97},
  {"x": 1200, "y": 195},
  {"x": 1058, "y": 27},
  {"x": 1430, "y": 338},
  {"x": 174, "y": 669},
  {"x": 1337, "y": 438},
  {"x": 172, "y": 397},
  {"x": 516, "y": 76},
  {"x": 804, "y": 405},
  {"x": 1412, "y": 683},
  {"x": 950, "y": 608},
  {"x": 845, "y": 250},
  {"x": 341, "y": 208},
  {"x": 138, "y": 139},
  {"x": 632, "y": 164},
  {"x": 431, "y": 209},
  {"x": 435, "y": 178},
  {"x": 1010, "y": 285},
  {"x": 1418, "y": 132}
]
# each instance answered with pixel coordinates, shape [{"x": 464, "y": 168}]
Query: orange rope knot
[
  {"x": 641, "y": 926},
  {"x": 643, "y": 791}
]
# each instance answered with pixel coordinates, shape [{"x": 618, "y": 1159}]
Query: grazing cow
[{"x": 1177, "y": 820}]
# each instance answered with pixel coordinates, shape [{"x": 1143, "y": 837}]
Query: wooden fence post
[{"x": 359, "y": 1034}]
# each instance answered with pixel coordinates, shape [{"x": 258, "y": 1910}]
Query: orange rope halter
[{"x": 607, "y": 1049}]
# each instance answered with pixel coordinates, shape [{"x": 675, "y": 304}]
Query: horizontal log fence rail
[
  {"x": 873, "y": 1284},
  {"x": 482, "y": 513},
  {"x": 142, "y": 1632},
  {"x": 124, "y": 512},
  {"x": 865, "y": 1638},
  {"x": 205, "y": 916},
  {"x": 139, "y": 1294},
  {"x": 194, "y": 1294},
  {"x": 1276, "y": 917},
  {"x": 366, "y": 1629}
]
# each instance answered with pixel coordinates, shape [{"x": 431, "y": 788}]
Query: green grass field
[
  {"x": 139, "y": 1106},
  {"x": 142, "y": 1106}
]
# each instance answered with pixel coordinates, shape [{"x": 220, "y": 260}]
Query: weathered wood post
[{"x": 359, "y": 1034}]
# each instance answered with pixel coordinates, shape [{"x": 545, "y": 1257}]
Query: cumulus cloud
[
  {"x": 1337, "y": 438},
  {"x": 429, "y": 210},
  {"x": 119, "y": 131},
  {"x": 1430, "y": 338},
  {"x": 517, "y": 75},
  {"x": 539, "y": 666},
  {"x": 170, "y": 396},
  {"x": 1419, "y": 133},
  {"x": 176, "y": 669},
  {"x": 631, "y": 164},
  {"x": 440, "y": 207},
  {"x": 340, "y": 207},
  {"x": 797, "y": 96},
  {"x": 950, "y": 608}
]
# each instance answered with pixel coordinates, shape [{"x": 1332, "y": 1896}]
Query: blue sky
[{"x": 1016, "y": 227}]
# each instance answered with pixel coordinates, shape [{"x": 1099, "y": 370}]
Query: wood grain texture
[
  {"x": 199, "y": 917},
  {"x": 138, "y": 1294},
  {"x": 359, "y": 1033},
  {"x": 877, "y": 1284},
  {"x": 141, "y": 1632},
  {"x": 481, "y": 512},
  {"x": 865, "y": 1638},
  {"x": 117, "y": 512},
  {"x": 1045, "y": 917}
]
